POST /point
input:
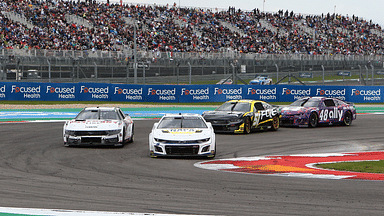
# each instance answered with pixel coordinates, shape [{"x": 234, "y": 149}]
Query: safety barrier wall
[{"x": 181, "y": 93}]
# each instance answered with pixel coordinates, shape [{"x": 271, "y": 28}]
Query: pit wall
[{"x": 25, "y": 91}]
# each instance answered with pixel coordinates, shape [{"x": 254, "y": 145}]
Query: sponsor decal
[
  {"x": 28, "y": 92},
  {"x": 96, "y": 92},
  {"x": 130, "y": 93},
  {"x": 181, "y": 131},
  {"x": 230, "y": 94},
  {"x": 334, "y": 113},
  {"x": 368, "y": 95},
  {"x": 197, "y": 94},
  {"x": 268, "y": 113},
  {"x": 163, "y": 94},
  {"x": 264, "y": 94},
  {"x": 62, "y": 92},
  {"x": 296, "y": 93},
  {"x": 333, "y": 93}
]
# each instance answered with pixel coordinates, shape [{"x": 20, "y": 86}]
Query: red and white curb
[{"x": 296, "y": 165}]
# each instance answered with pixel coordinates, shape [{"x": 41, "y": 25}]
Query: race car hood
[
  {"x": 182, "y": 134},
  {"x": 93, "y": 125},
  {"x": 293, "y": 110},
  {"x": 222, "y": 115}
]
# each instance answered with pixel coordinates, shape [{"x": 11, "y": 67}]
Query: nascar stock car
[
  {"x": 182, "y": 135},
  {"x": 312, "y": 111},
  {"x": 261, "y": 80},
  {"x": 243, "y": 116},
  {"x": 97, "y": 126}
]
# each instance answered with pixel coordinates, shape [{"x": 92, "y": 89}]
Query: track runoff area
[{"x": 279, "y": 165}]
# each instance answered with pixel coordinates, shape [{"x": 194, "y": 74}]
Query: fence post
[
  {"x": 322, "y": 66},
  {"x": 49, "y": 70},
  {"x": 190, "y": 73},
  {"x": 277, "y": 72},
  {"x": 95, "y": 70},
  {"x": 372, "y": 73}
]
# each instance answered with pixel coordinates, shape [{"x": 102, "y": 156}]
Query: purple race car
[{"x": 311, "y": 111}]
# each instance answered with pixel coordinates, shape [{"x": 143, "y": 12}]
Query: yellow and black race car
[{"x": 243, "y": 116}]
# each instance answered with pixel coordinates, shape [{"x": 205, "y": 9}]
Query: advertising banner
[
  {"x": 60, "y": 92},
  {"x": 128, "y": 93},
  {"x": 339, "y": 92},
  {"x": 262, "y": 92},
  {"x": 365, "y": 94},
  {"x": 3, "y": 92},
  {"x": 162, "y": 93},
  {"x": 223, "y": 93},
  {"x": 182, "y": 93},
  {"x": 195, "y": 93},
  {"x": 290, "y": 93},
  {"x": 94, "y": 92},
  {"x": 24, "y": 91}
]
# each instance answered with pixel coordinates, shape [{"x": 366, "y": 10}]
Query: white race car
[
  {"x": 96, "y": 126},
  {"x": 182, "y": 135}
]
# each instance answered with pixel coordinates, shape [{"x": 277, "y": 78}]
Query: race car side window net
[
  {"x": 329, "y": 103},
  {"x": 259, "y": 106}
]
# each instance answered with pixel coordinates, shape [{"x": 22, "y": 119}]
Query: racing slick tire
[
  {"x": 133, "y": 135},
  {"x": 247, "y": 126},
  {"x": 347, "y": 119},
  {"x": 275, "y": 123},
  {"x": 313, "y": 120}
]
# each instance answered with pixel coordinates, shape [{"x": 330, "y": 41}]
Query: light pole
[
  {"x": 263, "y": 5},
  {"x": 334, "y": 11}
]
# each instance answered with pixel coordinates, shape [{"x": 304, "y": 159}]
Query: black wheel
[
  {"x": 347, "y": 119},
  {"x": 275, "y": 123},
  {"x": 133, "y": 135},
  {"x": 313, "y": 120},
  {"x": 124, "y": 140},
  {"x": 247, "y": 126}
]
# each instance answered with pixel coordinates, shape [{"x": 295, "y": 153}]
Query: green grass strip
[{"x": 363, "y": 166}]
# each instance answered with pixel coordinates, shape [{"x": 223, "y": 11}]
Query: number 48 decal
[{"x": 334, "y": 113}]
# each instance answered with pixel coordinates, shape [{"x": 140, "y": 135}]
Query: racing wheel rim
[
  {"x": 347, "y": 119},
  {"x": 275, "y": 123},
  {"x": 313, "y": 120},
  {"x": 247, "y": 126}
]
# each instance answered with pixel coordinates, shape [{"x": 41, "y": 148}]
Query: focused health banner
[{"x": 30, "y": 91}]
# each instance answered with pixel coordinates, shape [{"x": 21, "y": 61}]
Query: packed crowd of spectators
[{"x": 170, "y": 28}]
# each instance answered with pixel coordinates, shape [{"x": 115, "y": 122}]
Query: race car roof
[
  {"x": 100, "y": 108},
  {"x": 246, "y": 101},
  {"x": 181, "y": 114}
]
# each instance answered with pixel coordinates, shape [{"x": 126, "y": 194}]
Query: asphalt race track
[{"x": 37, "y": 171}]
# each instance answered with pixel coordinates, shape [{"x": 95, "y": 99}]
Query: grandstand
[{"x": 170, "y": 37}]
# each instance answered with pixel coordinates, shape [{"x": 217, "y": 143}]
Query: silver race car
[
  {"x": 182, "y": 135},
  {"x": 95, "y": 126}
]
